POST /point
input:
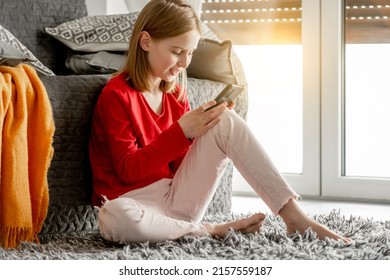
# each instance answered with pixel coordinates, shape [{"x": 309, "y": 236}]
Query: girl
[{"x": 155, "y": 162}]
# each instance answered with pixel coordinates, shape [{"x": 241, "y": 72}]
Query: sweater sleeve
[
  {"x": 134, "y": 162},
  {"x": 174, "y": 165}
]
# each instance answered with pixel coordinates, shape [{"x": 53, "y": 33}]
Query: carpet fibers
[{"x": 371, "y": 241}]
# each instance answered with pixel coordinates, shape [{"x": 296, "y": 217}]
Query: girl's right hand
[{"x": 198, "y": 121}]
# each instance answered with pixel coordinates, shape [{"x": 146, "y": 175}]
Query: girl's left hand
[{"x": 231, "y": 105}]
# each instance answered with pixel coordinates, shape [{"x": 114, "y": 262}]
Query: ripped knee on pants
[{"x": 119, "y": 219}]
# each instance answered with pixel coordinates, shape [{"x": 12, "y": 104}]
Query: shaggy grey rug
[{"x": 371, "y": 241}]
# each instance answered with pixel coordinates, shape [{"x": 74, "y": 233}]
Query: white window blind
[
  {"x": 248, "y": 22},
  {"x": 367, "y": 21}
]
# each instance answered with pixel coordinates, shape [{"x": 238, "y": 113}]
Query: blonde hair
[{"x": 161, "y": 19}]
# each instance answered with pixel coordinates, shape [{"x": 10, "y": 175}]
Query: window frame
[
  {"x": 334, "y": 183},
  {"x": 308, "y": 182}
]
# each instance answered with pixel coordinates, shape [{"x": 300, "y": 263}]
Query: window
[
  {"x": 267, "y": 36},
  {"x": 367, "y": 89},
  {"x": 355, "y": 99},
  {"x": 319, "y": 100}
]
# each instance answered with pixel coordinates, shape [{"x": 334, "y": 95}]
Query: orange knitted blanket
[{"x": 27, "y": 129}]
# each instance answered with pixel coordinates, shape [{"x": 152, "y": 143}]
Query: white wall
[
  {"x": 110, "y": 7},
  {"x": 106, "y": 7},
  {"x": 136, "y": 5},
  {"x": 96, "y": 7}
]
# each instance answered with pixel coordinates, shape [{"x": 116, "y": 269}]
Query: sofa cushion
[{"x": 72, "y": 99}]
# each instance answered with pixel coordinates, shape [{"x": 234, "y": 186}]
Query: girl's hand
[
  {"x": 231, "y": 105},
  {"x": 198, "y": 121}
]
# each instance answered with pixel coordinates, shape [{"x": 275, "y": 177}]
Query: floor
[{"x": 376, "y": 211}]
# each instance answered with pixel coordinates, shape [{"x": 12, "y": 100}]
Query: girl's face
[{"x": 169, "y": 56}]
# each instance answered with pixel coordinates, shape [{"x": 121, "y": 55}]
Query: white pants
[{"x": 171, "y": 208}]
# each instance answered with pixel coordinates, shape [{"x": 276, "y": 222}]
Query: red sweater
[{"x": 130, "y": 145}]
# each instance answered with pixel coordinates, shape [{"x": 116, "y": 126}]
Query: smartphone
[{"x": 228, "y": 95}]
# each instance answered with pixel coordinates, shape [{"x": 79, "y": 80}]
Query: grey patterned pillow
[
  {"x": 95, "y": 63},
  {"x": 11, "y": 56},
  {"x": 7, "y": 37},
  {"x": 96, "y": 33}
]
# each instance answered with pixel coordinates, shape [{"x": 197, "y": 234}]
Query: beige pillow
[{"x": 216, "y": 61}]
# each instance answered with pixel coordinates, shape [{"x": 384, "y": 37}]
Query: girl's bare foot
[
  {"x": 297, "y": 221},
  {"x": 251, "y": 224}
]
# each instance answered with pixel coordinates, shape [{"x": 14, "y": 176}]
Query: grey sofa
[{"x": 72, "y": 98}]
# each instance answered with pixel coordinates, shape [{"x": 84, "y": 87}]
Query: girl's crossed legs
[{"x": 170, "y": 209}]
